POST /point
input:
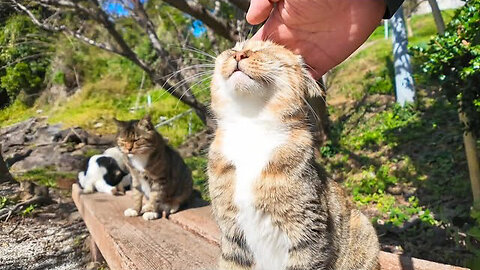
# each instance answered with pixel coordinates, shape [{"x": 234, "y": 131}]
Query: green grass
[
  {"x": 98, "y": 103},
  {"x": 15, "y": 113},
  {"x": 371, "y": 70},
  {"x": 44, "y": 176}
]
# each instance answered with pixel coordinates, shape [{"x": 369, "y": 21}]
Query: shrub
[{"x": 452, "y": 60}]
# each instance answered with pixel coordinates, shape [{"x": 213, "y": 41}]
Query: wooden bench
[{"x": 188, "y": 240}]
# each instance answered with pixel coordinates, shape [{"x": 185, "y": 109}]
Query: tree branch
[
  {"x": 241, "y": 4},
  {"x": 63, "y": 28},
  {"x": 219, "y": 26},
  {"x": 66, "y": 4},
  {"x": 141, "y": 16}
]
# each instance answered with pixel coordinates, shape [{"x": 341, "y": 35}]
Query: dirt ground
[{"x": 51, "y": 237}]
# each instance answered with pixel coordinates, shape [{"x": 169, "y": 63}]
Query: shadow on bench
[{"x": 189, "y": 240}]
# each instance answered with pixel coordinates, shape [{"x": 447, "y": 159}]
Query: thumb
[{"x": 259, "y": 10}]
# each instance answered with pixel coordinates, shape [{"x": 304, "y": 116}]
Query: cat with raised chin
[{"x": 274, "y": 206}]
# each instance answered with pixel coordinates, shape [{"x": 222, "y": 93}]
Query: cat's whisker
[
  {"x": 208, "y": 61},
  {"x": 177, "y": 72},
  {"x": 191, "y": 89},
  {"x": 196, "y": 50},
  {"x": 179, "y": 84},
  {"x": 186, "y": 80},
  {"x": 171, "y": 75},
  {"x": 282, "y": 80}
]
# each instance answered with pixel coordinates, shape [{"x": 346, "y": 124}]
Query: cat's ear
[
  {"x": 147, "y": 118},
  {"x": 312, "y": 87},
  {"x": 146, "y": 122}
]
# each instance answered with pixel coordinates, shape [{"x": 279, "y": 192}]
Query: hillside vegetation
[{"x": 406, "y": 166}]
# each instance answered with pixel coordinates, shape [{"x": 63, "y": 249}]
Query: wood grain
[
  {"x": 129, "y": 243},
  {"x": 188, "y": 240}
]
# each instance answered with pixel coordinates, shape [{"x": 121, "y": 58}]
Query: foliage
[
  {"x": 379, "y": 83},
  {"x": 453, "y": 61},
  {"x": 20, "y": 77},
  {"x": 375, "y": 181},
  {"x": 328, "y": 149},
  {"x": 23, "y": 56},
  {"x": 3, "y": 201},
  {"x": 380, "y": 129},
  {"x": 29, "y": 210},
  {"x": 198, "y": 166},
  {"x": 16, "y": 112}
]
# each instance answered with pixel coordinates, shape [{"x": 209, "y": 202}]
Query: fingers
[{"x": 259, "y": 11}]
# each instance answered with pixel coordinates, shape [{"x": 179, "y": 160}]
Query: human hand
[{"x": 324, "y": 32}]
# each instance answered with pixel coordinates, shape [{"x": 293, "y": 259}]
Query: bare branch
[
  {"x": 141, "y": 16},
  {"x": 219, "y": 26},
  {"x": 66, "y": 4},
  {"x": 63, "y": 28}
]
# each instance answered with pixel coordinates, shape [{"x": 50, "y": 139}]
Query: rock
[
  {"x": 80, "y": 146},
  {"x": 35, "y": 144},
  {"x": 74, "y": 217}
]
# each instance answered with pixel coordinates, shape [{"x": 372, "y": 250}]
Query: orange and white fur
[{"x": 274, "y": 206}]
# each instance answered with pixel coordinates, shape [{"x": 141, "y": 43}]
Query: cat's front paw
[
  {"x": 87, "y": 190},
  {"x": 150, "y": 215},
  {"x": 130, "y": 212},
  {"x": 116, "y": 192},
  {"x": 147, "y": 208}
]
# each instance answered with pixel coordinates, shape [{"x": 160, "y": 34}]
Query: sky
[{"x": 117, "y": 9}]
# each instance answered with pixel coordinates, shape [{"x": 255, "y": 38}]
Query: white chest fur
[
  {"x": 140, "y": 162},
  {"x": 249, "y": 143}
]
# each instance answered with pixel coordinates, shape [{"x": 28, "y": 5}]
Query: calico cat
[
  {"x": 158, "y": 172},
  {"x": 275, "y": 207},
  {"x": 105, "y": 173}
]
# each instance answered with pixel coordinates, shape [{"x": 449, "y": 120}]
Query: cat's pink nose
[{"x": 240, "y": 55}]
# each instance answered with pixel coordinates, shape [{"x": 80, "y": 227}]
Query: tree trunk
[
  {"x": 404, "y": 84},
  {"x": 5, "y": 175},
  {"x": 437, "y": 16},
  {"x": 471, "y": 152},
  {"x": 409, "y": 27}
]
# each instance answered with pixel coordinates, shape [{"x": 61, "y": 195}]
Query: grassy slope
[{"x": 404, "y": 166}]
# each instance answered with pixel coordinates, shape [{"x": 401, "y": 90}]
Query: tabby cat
[
  {"x": 158, "y": 172},
  {"x": 274, "y": 206}
]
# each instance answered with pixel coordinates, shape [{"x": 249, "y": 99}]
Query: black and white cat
[{"x": 106, "y": 173}]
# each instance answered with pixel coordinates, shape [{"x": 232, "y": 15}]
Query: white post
[
  {"x": 385, "y": 23},
  {"x": 404, "y": 84}
]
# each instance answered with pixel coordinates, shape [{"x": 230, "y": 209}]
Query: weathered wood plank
[
  {"x": 133, "y": 243},
  {"x": 200, "y": 219},
  {"x": 189, "y": 240}
]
